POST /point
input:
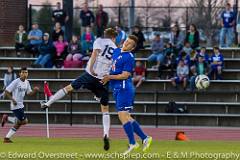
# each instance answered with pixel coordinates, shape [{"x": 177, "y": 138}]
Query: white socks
[
  {"x": 11, "y": 132},
  {"x": 12, "y": 120},
  {"x": 106, "y": 123},
  {"x": 58, "y": 95}
]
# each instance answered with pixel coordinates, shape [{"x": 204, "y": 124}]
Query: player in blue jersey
[{"x": 123, "y": 92}]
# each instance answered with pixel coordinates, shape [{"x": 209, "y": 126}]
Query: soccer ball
[{"x": 202, "y": 82}]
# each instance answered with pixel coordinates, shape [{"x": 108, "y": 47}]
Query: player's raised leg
[
  {"x": 57, "y": 96},
  {"x": 6, "y": 118}
]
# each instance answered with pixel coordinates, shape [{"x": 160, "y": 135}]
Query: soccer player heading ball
[
  {"x": 16, "y": 92},
  {"x": 123, "y": 92},
  {"x": 98, "y": 65}
]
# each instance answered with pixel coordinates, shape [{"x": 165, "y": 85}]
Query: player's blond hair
[{"x": 110, "y": 33}]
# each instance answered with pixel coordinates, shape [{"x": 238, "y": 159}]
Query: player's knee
[
  {"x": 68, "y": 88},
  {"x": 104, "y": 100},
  {"x": 24, "y": 122},
  {"x": 105, "y": 109}
]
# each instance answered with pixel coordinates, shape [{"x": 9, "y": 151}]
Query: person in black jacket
[
  {"x": 193, "y": 36},
  {"x": 46, "y": 50},
  {"x": 138, "y": 33},
  {"x": 87, "y": 18}
]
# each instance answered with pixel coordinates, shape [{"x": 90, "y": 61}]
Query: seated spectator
[
  {"x": 182, "y": 75},
  {"x": 203, "y": 54},
  {"x": 35, "y": 39},
  {"x": 192, "y": 36},
  {"x": 157, "y": 51},
  {"x": 177, "y": 38},
  {"x": 57, "y": 32},
  {"x": 46, "y": 51},
  {"x": 61, "y": 52},
  {"x": 201, "y": 67},
  {"x": 138, "y": 33},
  {"x": 139, "y": 74},
  {"x": 216, "y": 62},
  {"x": 9, "y": 76},
  {"x": 185, "y": 57},
  {"x": 168, "y": 63},
  {"x": 87, "y": 40},
  {"x": 121, "y": 37},
  {"x": 193, "y": 61},
  {"x": 187, "y": 48},
  {"x": 74, "y": 57},
  {"x": 20, "y": 40}
]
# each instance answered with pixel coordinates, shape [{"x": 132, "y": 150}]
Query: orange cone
[{"x": 181, "y": 136}]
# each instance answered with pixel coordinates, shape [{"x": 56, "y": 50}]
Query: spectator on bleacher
[
  {"x": 35, "y": 39},
  {"x": 20, "y": 40},
  {"x": 87, "y": 40},
  {"x": 169, "y": 62},
  {"x": 192, "y": 36},
  {"x": 228, "y": 23},
  {"x": 238, "y": 28},
  {"x": 101, "y": 20},
  {"x": 177, "y": 37},
  {"x": 87, "y": 18},
  {"x": 182, "y": 75},
  {"x": 60, "y": 16},
  {"x": 74, "y": 57},
  {"x": 9, "y": 76},
  {"x": 138, "y": 33},
  {"x": 61, "y": 51},
  {"x": 46, "y": 51},
  {"x": 201, "y": 67},
  {"x": 193, "y": 61},
  {"x": 157, "y": 51},
  {"x": 204, "y": 54},
  {"x": 216, "y": 61},
  {"x": 121, "y": 37},
  {"x": 187, "y": 48},
  {"x": 57, "y": 32},
  {"x": 139, "y": 74},
  {"x": 185, "y": 57}
]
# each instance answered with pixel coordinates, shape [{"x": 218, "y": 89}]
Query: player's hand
[
  {"x": 105, "y": 79},
  {"x": 14, "y": 102}
]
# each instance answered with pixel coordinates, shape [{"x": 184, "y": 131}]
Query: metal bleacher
[{"x": 217, "y": 106}]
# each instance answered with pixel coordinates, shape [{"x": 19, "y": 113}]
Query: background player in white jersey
[
  {"x": 16, "y": 92},
  {"x": 98, "y": 65}
]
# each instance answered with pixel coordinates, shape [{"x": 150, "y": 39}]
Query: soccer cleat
[
  {"x": 131, "y": 147},
  {"x": 106, "y": 143},
  {"x": 7, "y": 140},
  {"x": 43, "y": 105},
  {"x": 4, "y": 119},
  {"x": 147, "y": 143}
]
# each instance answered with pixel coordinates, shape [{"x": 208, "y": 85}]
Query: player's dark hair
[
  {"x": 23, "y": 69},
  {"x": 134, "y": 38},
  {"x": 110, "y": 33}
]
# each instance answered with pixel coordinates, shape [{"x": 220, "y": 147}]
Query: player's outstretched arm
[
  {"x": 35, "y": 90},
  {"x": 122, "y": 76}
]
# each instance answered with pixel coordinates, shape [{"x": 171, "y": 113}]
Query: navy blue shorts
[
  {"x": 19, "y": 113},
  {"x": 124, "y": 99},
  {"x": 93, "y": 84}
]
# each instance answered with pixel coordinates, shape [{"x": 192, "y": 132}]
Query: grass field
[{"x": 41, "y": 148}]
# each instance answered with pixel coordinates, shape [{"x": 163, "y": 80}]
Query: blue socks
[
  {"x": 137, "y": 129},
  {"x": 128, "y": 128}
]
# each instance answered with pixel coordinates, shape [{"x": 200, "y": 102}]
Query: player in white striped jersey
[
  {"x": 98, "y": 66},
  {"x": 16, "y": 92}
]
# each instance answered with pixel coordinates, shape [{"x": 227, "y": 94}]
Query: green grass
[{"x": 43, "y": 148}]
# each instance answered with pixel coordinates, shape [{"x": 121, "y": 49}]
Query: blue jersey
[
  {"x": 228, "y": 17},
  {"x": 122, "y": 61}
]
